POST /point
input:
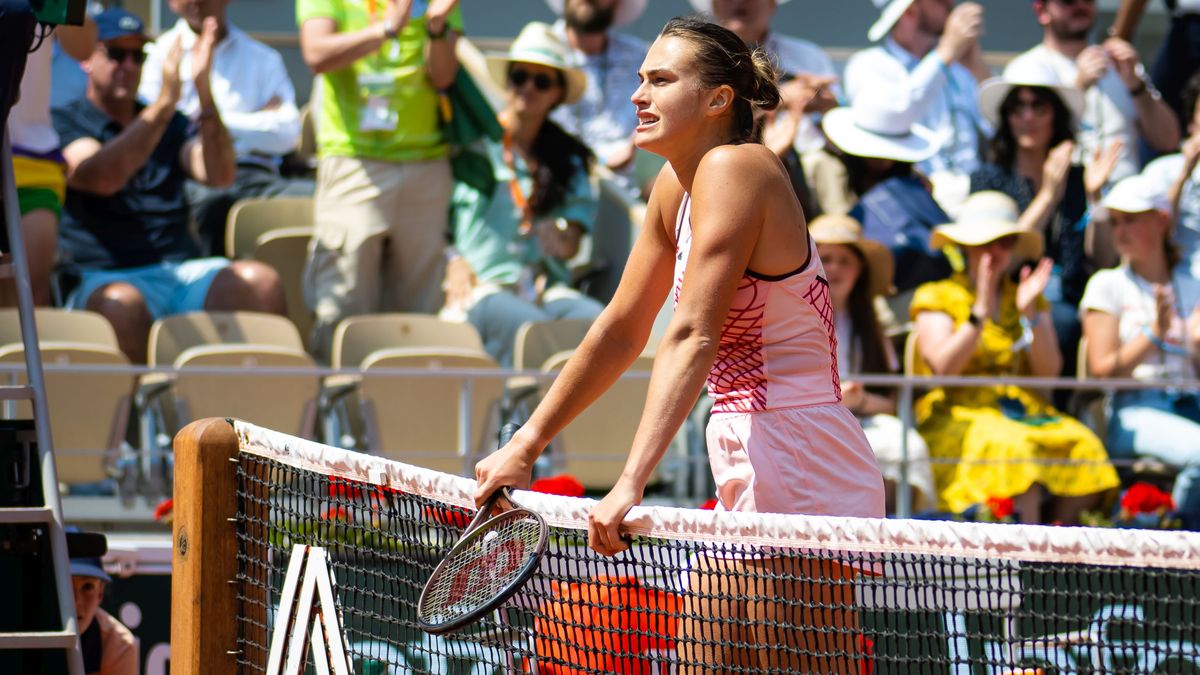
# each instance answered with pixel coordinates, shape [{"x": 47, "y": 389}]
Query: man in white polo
[{"x": 931, "y": 56}]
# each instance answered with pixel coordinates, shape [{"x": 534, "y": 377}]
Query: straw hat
[
  {"x": 840, "y": 229},
  {"x": 538, "y": 44},
  {"x": 705, "y": 6},
  {"x": 872, "y": 127},
  {"x": 1026, "y": 74},
  {"x": 890, "y": 12},
  {"x": 628, "y": 11},
  {"x": 985, "y": 217}
]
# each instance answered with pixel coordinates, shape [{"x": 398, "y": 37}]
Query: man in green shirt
[{"x": 383, "y": 180}]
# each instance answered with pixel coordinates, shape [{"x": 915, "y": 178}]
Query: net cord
[{"x": 1021, "y": 543}]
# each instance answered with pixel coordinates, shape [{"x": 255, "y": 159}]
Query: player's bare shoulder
[{"x": 745, "y": 169}]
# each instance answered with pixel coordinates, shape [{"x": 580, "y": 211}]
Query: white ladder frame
[{"x": 51, "y": 514}]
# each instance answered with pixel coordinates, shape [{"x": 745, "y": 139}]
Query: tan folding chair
[
  {"x": 250, "y": 218},
  {"x": 286, "y": 402},
  {"x": 420, "y": 419},
  {"x": 286, "y": 250},
  {"x": 357, "y": 337},
  {"x": 594, "y": 446},
  {"x": 88, "y": 412},
  {"x": 60, "y": 325},
  {"x": 172, "y": 335},
  {"x": 537, "y": 341}
]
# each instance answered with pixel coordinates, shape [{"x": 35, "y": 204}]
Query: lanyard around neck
[{"x": 520, "y": 200}]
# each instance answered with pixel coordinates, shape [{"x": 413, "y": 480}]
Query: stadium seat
[
  {"x": 60, "y": 325},
  {"x": 88, "y": 412},
  {"x": 420, "y": 419},
  {"x": 171, "y": 336},
  {"x": 595, "y": 444},
  {"x": 250, "y": 218},
  {"x": 286, "y": 250},
  {"x": 252, "y": 341},
  {"x": 278, "y": 401},
  {"x": 357, "y": 337},
  {"x": 537, "y": 341}
]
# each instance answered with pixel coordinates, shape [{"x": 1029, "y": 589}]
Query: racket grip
[{"x": 507, "y": 432}]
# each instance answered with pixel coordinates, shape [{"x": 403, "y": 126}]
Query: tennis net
[{"x": 698, "y": 591}]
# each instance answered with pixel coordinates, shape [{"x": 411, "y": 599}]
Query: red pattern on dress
[
  {"x": 817, "y": 296},
  {"x": 738, "y": 380}
]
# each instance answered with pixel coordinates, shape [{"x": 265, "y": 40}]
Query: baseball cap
[
  {"x": 1137, "y": 194},
  {"x": 89, "y": 567},
  {"x": 115, "y": 23}
]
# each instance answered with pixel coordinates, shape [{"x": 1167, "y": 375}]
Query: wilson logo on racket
[
  {"x": 490, "y": 561},
  {"x": 481, "y": 574}
]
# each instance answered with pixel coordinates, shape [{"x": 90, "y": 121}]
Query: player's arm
[
  {"x": 615, "y": 339},
  {"x": 728, "y": 204}
]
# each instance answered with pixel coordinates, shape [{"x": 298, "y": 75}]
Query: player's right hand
[{"x": 510, "y": 466}]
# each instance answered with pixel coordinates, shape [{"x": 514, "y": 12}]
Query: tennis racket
[{"x": 491, "y": 560}]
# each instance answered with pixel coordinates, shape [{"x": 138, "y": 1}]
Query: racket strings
[{"x": 485, "y": 563}]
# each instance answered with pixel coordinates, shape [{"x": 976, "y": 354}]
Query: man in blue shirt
[{"x": 125, "y": 221}]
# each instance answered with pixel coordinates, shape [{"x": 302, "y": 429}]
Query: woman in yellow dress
[{"x": 1000, "y": 441}]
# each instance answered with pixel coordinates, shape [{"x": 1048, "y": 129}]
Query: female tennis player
[{"x": 725, "y": 231}]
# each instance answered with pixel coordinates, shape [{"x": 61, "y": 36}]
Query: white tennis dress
[{"x": 780, "y": 440}]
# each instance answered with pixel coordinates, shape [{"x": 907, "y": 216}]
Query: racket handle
[{"x": 507, "y": 432}]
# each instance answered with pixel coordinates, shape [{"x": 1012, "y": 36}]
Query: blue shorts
[{"x": 168, "y": 288}]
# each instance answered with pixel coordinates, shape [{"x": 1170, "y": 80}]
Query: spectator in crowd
[
  {"x": 807, "y": 75},
  {"x": 70, "y": 82},
  {"x": 108, "y": 646},
  {"x": 1031, "y": 161},
  {"x": 860, "y": 270},
  {"x": 1119, "y": 103},
  {"x": 125, "y": 221},
  {"x": 1179, "y": 57},
  {"x": 383, "y": 178},
  {"x": 931, "y": 51},
  {"x": 258, "y": 106},
  {"x": 1177, "y": 175},
  {"x": 513, "y": 244},
  {"x": 602, "y": 118},
  {"x": 1142, "y": 320},
  {"x": 37, "y": 158},
  {"x": 879, "y": 146},
  {"x": 993, "y": 441},
  {"x": 807, "y": 84}
]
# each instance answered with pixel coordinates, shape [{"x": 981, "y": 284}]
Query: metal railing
[{"x": 691, "y": 459}]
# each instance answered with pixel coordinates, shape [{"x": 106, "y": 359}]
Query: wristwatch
[
  {"x": 974, "y": 319},
  {"x": 390, "y": 29},
  {"x": 439, "y": 34}
]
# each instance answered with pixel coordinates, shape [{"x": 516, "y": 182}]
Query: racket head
[{"x": 484, "y": 568}]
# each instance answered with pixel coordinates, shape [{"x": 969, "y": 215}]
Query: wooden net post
[{"x": 204, "y": 605}]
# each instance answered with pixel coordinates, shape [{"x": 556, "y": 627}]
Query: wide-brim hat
[
  {"x": 985, "y": 217},
  {"x": 705, "y": 6},
  {"x": 890, "y": 12},
  {"x": 845, "y": 230},
  {"x": 628, "y": 11},
  {"x": 872, "y": 131},
  {"x": 538, "y": 44},
  {"x": 993, "y": 92}
]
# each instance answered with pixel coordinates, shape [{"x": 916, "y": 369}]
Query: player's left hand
[{"x": 604, "y": 522}]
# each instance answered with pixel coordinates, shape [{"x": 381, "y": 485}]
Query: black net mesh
[{"x": 692, "y": 605}]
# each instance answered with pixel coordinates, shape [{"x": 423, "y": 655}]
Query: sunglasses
[
  {"x": 119, "y": 54},
  {"x": 517, "y": 77},
  {"x": 1038, "y": 107}
]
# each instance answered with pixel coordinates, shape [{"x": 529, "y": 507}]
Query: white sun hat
[
  {"x": 1137, "y": 194},
  {"x": 871, "y": 127},
  {"x": 985, "y": 217},
  {"x": 889, "y": 13},
  {"x": 1026, "y": 74},
  {"x": 538, "y": 44},
  {"x": 627, "y": 12},
  {"x": 705, "y": 6}
]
